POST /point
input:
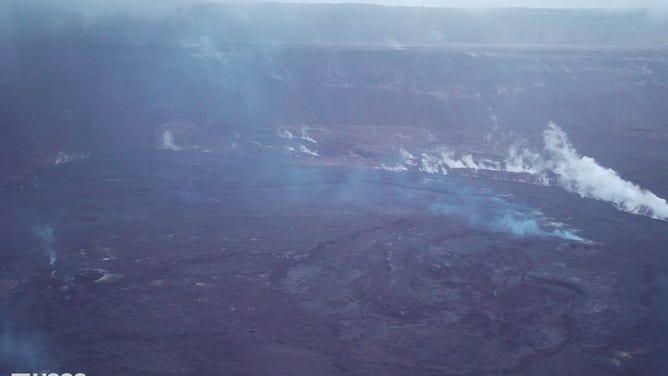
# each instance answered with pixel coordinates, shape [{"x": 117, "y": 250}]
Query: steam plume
[
  {"x": 559, "y": 164},
  {"x": 584, "y": 176}
]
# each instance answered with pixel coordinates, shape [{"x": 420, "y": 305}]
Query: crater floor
[{"x": 181, "y": 263}]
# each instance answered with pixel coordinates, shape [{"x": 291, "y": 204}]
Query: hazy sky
[
  {"x": 161, "y": 7},
  {"x": 505, "y": 3}
]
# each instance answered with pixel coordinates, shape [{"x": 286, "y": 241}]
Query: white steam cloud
[
  {"x": 559, "y": 164},
  {"x": 582, "y": 175}
]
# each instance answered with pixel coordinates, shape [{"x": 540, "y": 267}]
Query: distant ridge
[{"x": 350, "y": 24}]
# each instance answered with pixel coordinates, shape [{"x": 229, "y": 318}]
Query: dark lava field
[{"x": 294, "y": 190}]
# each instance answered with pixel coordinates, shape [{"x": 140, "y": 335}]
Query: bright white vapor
[
  {"x": 559, "y": 164},
  {"x": 582, "y": 175}
]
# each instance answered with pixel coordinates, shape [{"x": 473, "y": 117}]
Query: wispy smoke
[
  {"x": 496, "y": 214},
  {"x": 46, "y": 235},
  {"x": 167, "y": 141},
  {"x": 303, "y": 142},
  {"x": 19, "y": 351},
  {"x": 446, "y": 159}
]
